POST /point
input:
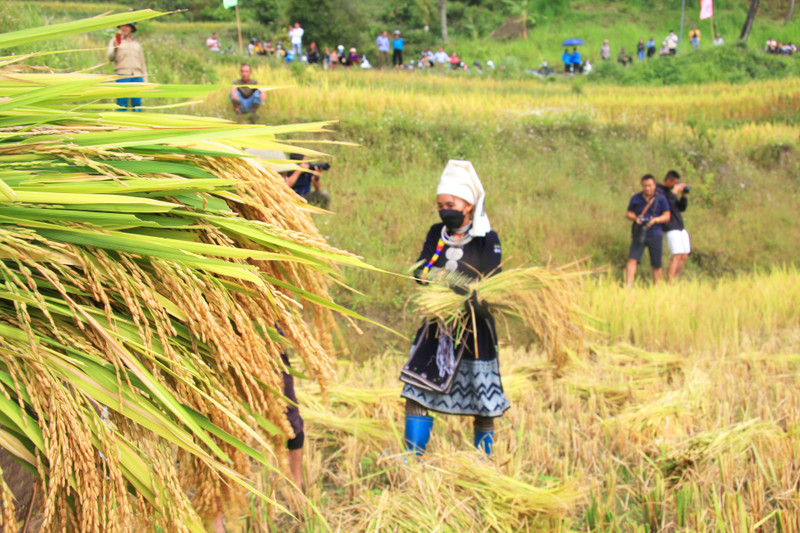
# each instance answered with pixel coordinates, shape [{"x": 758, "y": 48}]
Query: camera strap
[{"x": 647, "y": 207}]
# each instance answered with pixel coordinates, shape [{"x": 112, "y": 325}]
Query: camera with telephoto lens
[
  {"x": 687, "y": 188},
  {"x": 641, "y": 236},
  {"x": 319, "y": 167}
]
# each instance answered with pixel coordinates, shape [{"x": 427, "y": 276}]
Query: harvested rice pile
[{"x": 150, "y": 277}]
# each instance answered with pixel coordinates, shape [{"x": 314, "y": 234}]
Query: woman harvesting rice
[{"x": 447, "y": 371}]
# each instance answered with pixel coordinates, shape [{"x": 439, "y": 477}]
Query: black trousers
[{"x": 397, "y": 57}]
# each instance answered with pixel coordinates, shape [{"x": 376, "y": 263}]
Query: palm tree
[
  {"x": 523, "y": 10},
  {"x": 151, "y": 274}
]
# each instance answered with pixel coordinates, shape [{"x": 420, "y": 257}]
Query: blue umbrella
[{"x": 572, "y": 42}]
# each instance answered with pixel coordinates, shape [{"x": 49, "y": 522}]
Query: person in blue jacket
[
  {"x": 566, "y": 57},
  {"x": 397, "y": 49},
  {"x": 456, "y": 377},
  {"x": 577, "y": 64}
]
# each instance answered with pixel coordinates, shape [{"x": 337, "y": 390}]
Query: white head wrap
[{"x": 459, "y": 179}]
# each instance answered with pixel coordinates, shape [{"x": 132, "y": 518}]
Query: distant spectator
[
  {"x": 397, "y": 49},
  {"x": 651, "y": 47},
  {"x": 245, "y": 97},
  {"x": 441, "y": 56},
  {"x": 772, "y": 46},
  {"x": 425, "y": 61},
  {"x": 672, "y": 43},
  {"x": 664, "y": 50},
  {"x": 352, "y": 57},
  {"x": 383, "y": 49},
  {"x": 718, "y": 40},
  {"x": 269, "y": 49},
  {"x": 365, "y": 64},
  {"x": 694, "y": 37},
  {"x": 640, "y": 50},
  {"x": 213, "y": 43},
  {"x": 624, "y": 58},
  {"x": 545, "y": 69},
  {"x": 342, "y": 56},
  {"x": 296, "y": 36},
  {"x": 312, "y": 54},
  {"x": 455, "y": 62},
  {"x": 566, "y": 58},
  {"x": 280, "y": 53},
  {"x": 577, "y": 62},
  {"x": 258, "y": 50},
  {"x": 333, "y": 59},
  {"x": 129, "y": 64},
  {"x": 251, "y": 46},
  {"x": 605, "y": 51}
]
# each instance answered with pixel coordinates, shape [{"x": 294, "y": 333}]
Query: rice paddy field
[
  {"x": 682, "y": 411},
  {"x": 681, "y": 415}
]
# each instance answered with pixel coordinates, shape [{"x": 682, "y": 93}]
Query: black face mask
[{"x": 452, "y": 218}]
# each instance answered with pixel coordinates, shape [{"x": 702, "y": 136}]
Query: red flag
[{"x": 706, "y": 9}]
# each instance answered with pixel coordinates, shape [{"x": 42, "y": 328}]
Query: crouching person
[{"x": 244, "y": 96}]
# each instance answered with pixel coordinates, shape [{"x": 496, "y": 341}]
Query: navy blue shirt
[
  {"x": 303, "y": 184},
  {"x": 659, "y": 207}
]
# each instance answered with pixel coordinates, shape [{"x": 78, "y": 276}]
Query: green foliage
[
  {"x": 329, "y": 22},
  {"x": 729, "y": 63}
]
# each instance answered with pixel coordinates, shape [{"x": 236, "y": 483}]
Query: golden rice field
[
  {"x": 749, "y": 108},
  {"x": 694, "y": 428}
]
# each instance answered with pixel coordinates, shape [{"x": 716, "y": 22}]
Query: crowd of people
[
  {"x": 778, "y": 48},
  {"x": 340, "y": 56},
  {"x": 394, "y": 45}
]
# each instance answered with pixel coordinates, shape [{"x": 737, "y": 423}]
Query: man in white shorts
[{"x": 677, "y": 236}]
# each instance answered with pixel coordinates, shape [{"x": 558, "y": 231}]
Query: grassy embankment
[{"x": 693, "y": 427}]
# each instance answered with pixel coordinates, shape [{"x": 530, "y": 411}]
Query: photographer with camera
[
  {"x": 677, "y": 236},
  {"x": 301, "y": 182},
  {"x": 648, "y": 210}
]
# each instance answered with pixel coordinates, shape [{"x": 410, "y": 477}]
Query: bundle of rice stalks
[
  {"x": 460, "y": 492},
  {"x": 541, "y": 299},
  {"x": 151, "y": 275},
  {"x": 701, "y": 448}
]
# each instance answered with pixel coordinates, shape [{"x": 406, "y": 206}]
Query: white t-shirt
[
  {"x": 212, "y": 44},
  {"x": 672, "y": 41},
  {"x": 297, "y": 35},
  {"x": 441, "y": 57}
]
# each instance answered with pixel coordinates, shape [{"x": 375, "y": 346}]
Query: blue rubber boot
[
  {"x": 484, "y": 440},
  {"x": 418, "y": 431}
]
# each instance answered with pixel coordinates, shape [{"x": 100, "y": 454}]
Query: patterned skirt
[{"x": 476, "y": 391}]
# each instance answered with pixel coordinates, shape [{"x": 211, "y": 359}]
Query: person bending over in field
[
  {"x": 457, "y": 378},
  {"x": 677, "y": 236},
  {"x": 245, "y": 97},
  {"x": 648, "y": 210}
]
